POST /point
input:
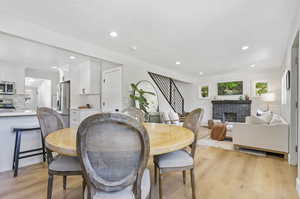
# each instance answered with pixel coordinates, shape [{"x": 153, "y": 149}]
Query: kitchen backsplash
[{"x": 18, "y": 100}]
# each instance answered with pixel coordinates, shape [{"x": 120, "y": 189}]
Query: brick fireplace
[{"x": 231, "y": 110}]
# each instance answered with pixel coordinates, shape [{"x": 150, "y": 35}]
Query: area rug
[
  {"x": 226, "y": 144},
  {"x": 208, "y": 142}
]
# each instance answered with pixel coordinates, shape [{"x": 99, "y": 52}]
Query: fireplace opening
[{"x": 229, "y": 117}]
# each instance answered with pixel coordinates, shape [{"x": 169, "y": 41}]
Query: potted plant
[{"x": 139, "y": 96}]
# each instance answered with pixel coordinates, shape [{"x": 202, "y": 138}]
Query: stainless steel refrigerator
[{"x": 63, "y": 101}]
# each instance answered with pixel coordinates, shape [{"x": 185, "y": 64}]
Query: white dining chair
[{"x": 60, "y": 165}]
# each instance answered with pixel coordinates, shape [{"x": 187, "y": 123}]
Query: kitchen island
[{"x": 30, "y": 139}]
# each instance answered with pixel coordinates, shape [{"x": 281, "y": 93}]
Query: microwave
[
  {"x": 2, "y": 87},
  {"x": 7, "y": 88}
]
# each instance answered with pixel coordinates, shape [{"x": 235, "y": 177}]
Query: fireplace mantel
[
  {"x": 231, "y": 101},
  {"x": 236, "y": 110}
]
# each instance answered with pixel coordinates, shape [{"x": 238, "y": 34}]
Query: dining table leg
[
  {"x": 184, "y": 176},
  {"x": 65, "y": 182}
]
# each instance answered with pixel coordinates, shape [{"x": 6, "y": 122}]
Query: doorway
[
  {"x": 294, "y": 126},
  {"x": 112, "y": 90},
  {"x": 38, "y": 93}
]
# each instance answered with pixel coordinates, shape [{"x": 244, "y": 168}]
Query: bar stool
[{"x": 27, "y": 153}]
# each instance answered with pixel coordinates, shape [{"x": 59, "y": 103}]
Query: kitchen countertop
[
  {"x": 18, "y": 113},
  {"x": 85, "y": 109},
  {"x": 32, "y": 139}
]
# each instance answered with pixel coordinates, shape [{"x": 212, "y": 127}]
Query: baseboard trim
[{"x": 298, "y": 186}]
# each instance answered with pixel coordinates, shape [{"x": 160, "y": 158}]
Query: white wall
[
  {"x": 191, "y": 91},
  {"x": 44, "y": 94},
  {"x": 133, "y": 74},
  {"x": 53, "y": 76}
]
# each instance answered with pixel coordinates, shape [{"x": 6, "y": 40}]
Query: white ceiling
[
  {"x": 204, "y": 35},
  {"x": 34, "y": 82},
  {"x": 20, "y": 52}
]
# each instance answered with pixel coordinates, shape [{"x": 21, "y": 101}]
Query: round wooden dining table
[{"x": 164, "y": 138}]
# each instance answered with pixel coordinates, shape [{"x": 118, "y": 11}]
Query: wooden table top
[{"x": 163, "y": 139}]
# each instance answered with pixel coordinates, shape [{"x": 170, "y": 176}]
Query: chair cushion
[
  {"x": 174, "y": 117},
  {"x": 165, "y": 118},
  {"x": 276, "y": 120},
  {"x": 257, "y": 120},
  {"x": 179, "y": 158},
  {"x": 267, "y": 117},
  {"x": 127, "y": 192},
  {"x": 65, "y": 163},
  {"x": 123, "y": 194}
]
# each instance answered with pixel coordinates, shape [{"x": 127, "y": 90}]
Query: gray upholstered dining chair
[
  {"x": 181, "y": 160},
  {"x": 60, "y": 165},
  {"x": 135, "y": 112},
  {"x": 114, "y": 149}
]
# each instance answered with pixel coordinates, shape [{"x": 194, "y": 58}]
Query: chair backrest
[
  {"x": 193, "y": 122},
  {"x": 113, "y": 149},
  {"x": 135, "y": 112},
  {"x": 49, "y": 120}
]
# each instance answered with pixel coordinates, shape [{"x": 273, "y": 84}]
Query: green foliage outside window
[
  {"x": 230, "y": 88},
  {"x": 204, "y": 91},
  {"x": 261, "y": 88}
]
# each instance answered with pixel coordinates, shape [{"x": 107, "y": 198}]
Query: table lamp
[{"x": 268, "y": 98}]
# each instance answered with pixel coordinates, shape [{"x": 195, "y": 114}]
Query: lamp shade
[{"x": 268, "y": 97}]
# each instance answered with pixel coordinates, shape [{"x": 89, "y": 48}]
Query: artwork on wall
[
  {"x": 261, "y": 87},
  {"x": 204, "y": 92},
  {"x": 230, "y": 88}
]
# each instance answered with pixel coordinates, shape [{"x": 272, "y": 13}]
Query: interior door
[
  {"x": 294, "y": 123},
  {"x": 112, "y": 90}
]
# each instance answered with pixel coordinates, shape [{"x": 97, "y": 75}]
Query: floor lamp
[{"x": 268, "y": 98}]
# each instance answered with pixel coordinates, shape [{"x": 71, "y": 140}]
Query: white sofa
[{"x": 266, "y": 137}]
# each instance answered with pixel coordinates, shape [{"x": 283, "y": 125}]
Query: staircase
[{"x": 170, "y": 91}]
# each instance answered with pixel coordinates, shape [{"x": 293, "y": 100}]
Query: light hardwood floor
[{"x": 220, "y": 174}]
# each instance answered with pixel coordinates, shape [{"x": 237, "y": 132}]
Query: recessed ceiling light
[
  {"x": 178, "y": 63},
  {"x": 134, "y": 48},
  {"x": 113, "y": 34},
  {"x": 200, "y": 73},
  {"x": 72, "y": 57},
  {"x": 54, "y": 67},
  {"x": 252, "y": 65},
  {"x": 245, "y": 47}
]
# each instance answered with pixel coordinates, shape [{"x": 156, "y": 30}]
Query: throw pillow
[
  {"x": 276, "y": 120},
  {"x": 257, "y": 120},
  {"x": 174, "y": 118},
  {"x": 259, "y": 112},
  {"x": 165, "y": 118},
  {"x": 267, "y": 116}
]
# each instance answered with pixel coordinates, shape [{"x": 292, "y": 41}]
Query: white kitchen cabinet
[
  {"x": 89, "y": 77},
  {"x": 78, "y": 115}
]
